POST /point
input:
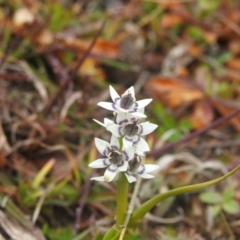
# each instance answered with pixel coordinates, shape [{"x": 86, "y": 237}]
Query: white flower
[
  {"x": 136, "y": 168},
  {"x": 106, "y": 122},
  {"x": 114, "y": 160},
  {"x": 126, "y": 103},
  {"x": 132, "y": 130}
]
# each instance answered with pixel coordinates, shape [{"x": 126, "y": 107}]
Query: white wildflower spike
[
  {"x": 126, "y": 103},
  {"x": 136, "y": 168},
  {"x": 132, "y": 130},
  {"x": 113, "y": 159},
  {"x": 128, "y": 126}
]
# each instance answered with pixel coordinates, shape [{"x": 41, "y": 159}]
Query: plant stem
[
  {"x": 230, "y": 232},
  {"x": 122, "y": 194}
]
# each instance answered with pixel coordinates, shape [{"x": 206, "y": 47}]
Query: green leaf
[
  {"x": 228, "y": 193},
  {"x": 215, "y": 210},
  {"x": 140, "y": 212},
  {"x": 112, "y": 234},
  {"x": 211, "y": 197},
  {"x": 231, "y": 207}
]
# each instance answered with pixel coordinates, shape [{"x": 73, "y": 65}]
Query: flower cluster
[{"x": 126, "y": 149}]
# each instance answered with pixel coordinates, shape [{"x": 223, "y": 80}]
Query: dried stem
[
  {"x": 157, "y": 152},
  {"x": 74, "y": 73}
]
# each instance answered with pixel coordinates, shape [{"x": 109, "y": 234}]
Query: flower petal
[
  {"x": 146, "y": 128},
  {"x": 127, "y": 141},
  {"x": 114, "y": 142},
  {"x": 107, "y": 122},
  {"x": 131, "y": 91},
  {"x": 137, "y": 114},
  {"x": 122, "y": 118},
  {"x": 100, "y": 123},
  {"x": 146, "y": 175},
  {"x": 100, "y": 163},
  {"x": 143, "y": 170},
  {"x": 139, "y": 152},
  {"x": 140, "y": 144},
  {"x": 114, "y": 95},
  {"x": 142, "y": 103},
  {"x": 100, "y": 179},
  {"x": 116, "y": 130},
  {"x": 128, "y": 153},
  {"x": 150, "y": 168},
  {"x": 130, "y": 177},
  {"x": 123, "y": 166},
  {"x": 102, "y": 146},
  {"x": 110, "y": 173},
  {"x": 108, "y": 105}
]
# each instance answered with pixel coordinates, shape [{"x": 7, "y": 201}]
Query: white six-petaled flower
[
  {"x": 126, "y": 103},
  {"x": 131, "y": 129},
  {"x": 113, "y": 159},
  {"x": 136, "y": 168},
  {"x": 127, "y": 125}
]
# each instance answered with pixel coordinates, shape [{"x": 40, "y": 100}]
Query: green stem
[
  {"x": 139, "y": 213},
  {"x": 122, "y": 194}
]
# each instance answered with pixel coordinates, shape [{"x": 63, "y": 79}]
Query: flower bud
[
  {"x": 131, "y": 129},
  {"x": 115, "y": 157},
  {"x": 135, "y": 163},
  {"x": 126, "y": 101}
]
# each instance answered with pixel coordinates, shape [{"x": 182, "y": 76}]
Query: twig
[
  {"x": 131, "y": 207},
  {"x": 12, "y": 46},
  {"x": 229, "y": 230},
  {"x": 170, "y": 1},
  {"x": 157, "y": 152},
  {"x": 74, "y": 73},
  {"x": 81, "y": 205}
]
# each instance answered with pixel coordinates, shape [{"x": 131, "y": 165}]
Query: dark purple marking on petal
[
  {"x": 128, "y": 139},
  {"x": 114, "y": 147},
  {"x": 130, "y": 174},
  {"x": 126, "y": 155},
  {"x": 120, "y": 164},
  {"x": 120, "y": 131},
  {"x": 136, "y": 141},
  {"x": 141, "y": 169},
  {"x": 136, "y": 105},
  {"x": 133, "y": 119},
  {"x": 105, "y": 153},
  {"x": 133, "y": 111},
  {"x": 123, "y": 121},
  {"x": 117, "y": 99},
  {"x": 112, "y": 170},
  {"x": 105, "y": 162},
  {"x": 140, "y": 129},
  {"x": 114, "y": 106}
]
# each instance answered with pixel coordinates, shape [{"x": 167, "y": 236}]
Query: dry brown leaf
[
  {"x": 2, "y": 158},
  {"x": 171, "y": 19},
  {"x": 234, "y": 64},
  {"x": 17, "y": 231},
  {"x": 9, "y": 190},
  {"x": 102, "y": 48},
  {"x": 202, "y": 115},
  {"x": 225, "y": 110},
  {"x": 210, "y": 37},
  {"x": 234, "y": 46},
  {"x": 170, "y": 5},
  {"x": 181, "y": 72},
  {"x": 89, "y": 67},
  {"x": 173, "y": 93},
  {"x": 195, "y": 50}
]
